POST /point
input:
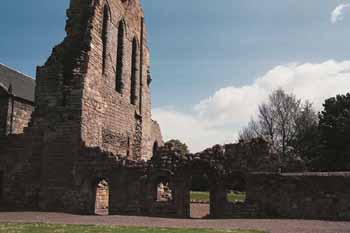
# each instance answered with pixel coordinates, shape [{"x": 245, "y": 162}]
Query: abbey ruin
[{"x": 86, "y": 140}]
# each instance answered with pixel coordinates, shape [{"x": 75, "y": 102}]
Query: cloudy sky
[{"x": 213, "y": 62}]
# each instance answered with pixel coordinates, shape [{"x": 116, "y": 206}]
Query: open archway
[
  {"x": 201, "y": 190},
  {"x": 236, "y": 192},
  {"x": 102, "y": 197},
  {"x": 236, "y": 189},
  {"x": 200, "y": 196}
]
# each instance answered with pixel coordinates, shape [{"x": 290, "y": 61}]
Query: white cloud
[
  {"x": 339, "y": 12},
  {"x": 218, "y": 118}
]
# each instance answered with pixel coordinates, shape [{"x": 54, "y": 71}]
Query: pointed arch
[
  {"x": 104, "y": 36},
  {"x": 134, "y": 69},
  {"x": 119, "y": 85},
  {"x": 155, "y": 149}
]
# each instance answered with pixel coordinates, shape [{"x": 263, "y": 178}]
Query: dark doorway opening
[
  {"x": 102, "y": 198},
  {"x": 155, "y": 149},
  {"x": 200, "y": 197}
]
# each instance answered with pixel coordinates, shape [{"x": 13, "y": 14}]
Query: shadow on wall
[{"x": 1, "y": 185}]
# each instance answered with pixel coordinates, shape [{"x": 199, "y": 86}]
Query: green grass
[
  {"x": 204, "y": 196},
  {"x": 46, "y": 228}
]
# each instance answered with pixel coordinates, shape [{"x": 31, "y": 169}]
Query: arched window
[
  {"x": 133, "y": 80},
  {"x": 164, "y": 192},
  {"x": 104, "y": 37},
  {"x": 155, "y": 149},
  {"x": 120, "y": 56}
]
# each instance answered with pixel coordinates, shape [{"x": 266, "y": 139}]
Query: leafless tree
[{"x": 280, "y": 119}]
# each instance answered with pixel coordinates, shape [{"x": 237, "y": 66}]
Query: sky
[{"x": 212, "y": 62}]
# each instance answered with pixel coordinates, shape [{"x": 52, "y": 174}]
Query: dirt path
[{"x": 273, "y": 226}]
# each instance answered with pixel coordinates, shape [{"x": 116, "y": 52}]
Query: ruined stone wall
[
  {"x": 77, "y": 108},
  {"x": 110, "y": 120},
  {"x": 302, "y": 195},
  {"x": 21, "y": 173},
  {"x": 56, "y": 120},
  {"x": 3, "y": 111}
]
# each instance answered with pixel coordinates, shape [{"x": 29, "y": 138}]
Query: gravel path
[{"x": 273, "y": 226}]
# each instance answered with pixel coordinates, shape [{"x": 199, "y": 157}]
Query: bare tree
[{"x": 279, "y": 120}]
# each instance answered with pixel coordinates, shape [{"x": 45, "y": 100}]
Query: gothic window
[
  {"x": 133, "y": 80},
  {"x": 104, "y": 37},
  {"x": 120, "y": 57},
  {"x": 155, "y": 149}
]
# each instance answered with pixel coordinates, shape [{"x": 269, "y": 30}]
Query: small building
[{"x": 16, "y": 100}]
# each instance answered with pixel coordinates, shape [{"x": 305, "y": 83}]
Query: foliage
[
  {"x": 178, "y": 145},
  {"x": 335, "y": 134},
  {"x": 46, "y": 228},
  {"x": 307, "y": 137}
]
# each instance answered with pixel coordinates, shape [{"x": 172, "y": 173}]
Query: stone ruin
[{"x": 91, "y": 146}]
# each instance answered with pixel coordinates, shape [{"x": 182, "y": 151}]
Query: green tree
[
  {"x": 335, "y": 134},
  {"x": 178, "y": 145},
  {"x": 307, "y": 136}
]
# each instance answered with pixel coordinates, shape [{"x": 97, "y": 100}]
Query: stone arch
[
  {"x": 101, "y": 195},
  {"x": 158, "y": 204},
  {"x": 119, "y": 84},
  {"x": 134, "y": 71},
  {"x": 202, "y": 167}
]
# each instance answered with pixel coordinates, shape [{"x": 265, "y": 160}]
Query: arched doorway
[
  {"x": 102, "y": 198},
  {"x": 202, "y": 183},
  {"x": 200, "y": 196}
]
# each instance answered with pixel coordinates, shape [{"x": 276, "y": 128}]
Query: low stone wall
[{"x": 302, "y": 195}]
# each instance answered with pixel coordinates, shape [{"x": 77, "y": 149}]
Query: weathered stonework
[
  {"x": 78, "y": 106},
  {"x": 91, "y": 143}
]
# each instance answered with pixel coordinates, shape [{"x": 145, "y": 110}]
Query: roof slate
[{"x": 22, "y": 85}]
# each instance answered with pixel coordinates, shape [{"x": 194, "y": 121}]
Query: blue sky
[{"x": 202, "y": 50}]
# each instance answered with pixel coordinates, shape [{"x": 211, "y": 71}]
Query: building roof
[{"x": 22, "y": 85}]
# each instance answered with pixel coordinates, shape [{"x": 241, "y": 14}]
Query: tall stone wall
[
  {"x": 110, "y": 120},
  {"x": 78, "y": 108}
]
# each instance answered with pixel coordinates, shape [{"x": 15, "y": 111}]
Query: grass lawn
[
  {"x": 204, "y": 196},
  {"x": 45, "y": 228}
]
